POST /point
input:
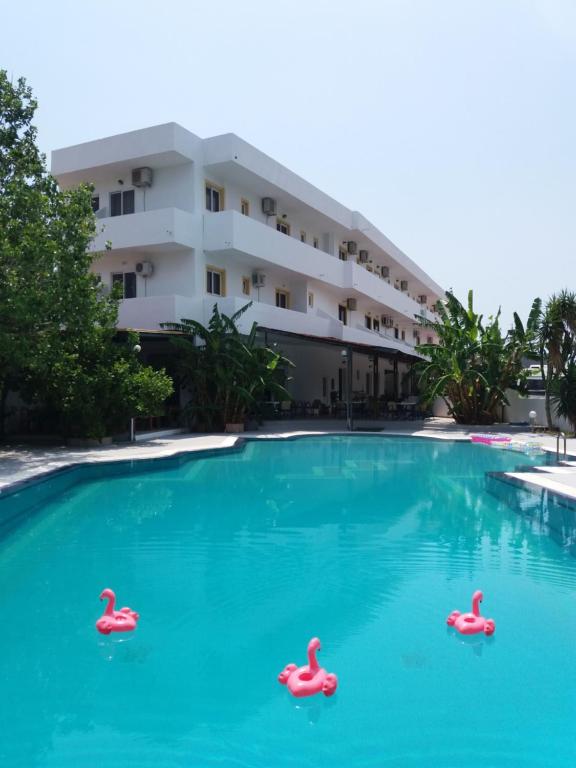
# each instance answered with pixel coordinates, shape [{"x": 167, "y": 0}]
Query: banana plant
[
  {"x": 228, "y": 374},
  {"x": 473, "y": 363}
]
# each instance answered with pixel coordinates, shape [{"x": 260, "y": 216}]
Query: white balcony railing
[
  {"x": 163, "y": 228},
  {"x": 148, "y": 313},
  {"x": 230, "y": 232}
]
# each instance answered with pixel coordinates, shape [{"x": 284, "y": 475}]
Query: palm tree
[{"x": 557, "y": 345}]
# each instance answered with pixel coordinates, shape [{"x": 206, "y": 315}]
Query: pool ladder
[{"x": 563, "y": 435}]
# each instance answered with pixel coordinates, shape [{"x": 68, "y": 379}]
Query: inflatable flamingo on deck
[
  {"x": 309, "y": 679},
  {"x": 123, "y": 620},
  {"x": 472, "y": 623}
]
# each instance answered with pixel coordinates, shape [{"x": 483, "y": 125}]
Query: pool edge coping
[{"x": 240, "y": 442}]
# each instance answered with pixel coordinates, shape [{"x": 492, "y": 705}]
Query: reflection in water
[{"x": 237, "y": 560}]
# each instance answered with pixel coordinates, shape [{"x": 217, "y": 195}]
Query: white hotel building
[{"x": 193, "y": 221}]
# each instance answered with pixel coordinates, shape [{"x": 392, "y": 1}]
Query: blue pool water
[{"x": 235, "y": 561}]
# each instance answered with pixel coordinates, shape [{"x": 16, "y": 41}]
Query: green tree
[
  {"x": 227, "y": 373},
  {"x": 473, "y": 363},
  {"x": 57, "y": 329}
]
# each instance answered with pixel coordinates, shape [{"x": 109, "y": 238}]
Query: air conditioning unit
[
  {"x": 258, "y": 279},
  {"x": 387, "y": 321},
  {"x": 145, "y": 268},
  {"x": 385, "y": 271},
  {"x": 352, "y": 304},
  {"x": 269, "y": 206},
  {"x": 403, "y": 285},
  {"x": 142, "y": 177},
  {"x": 352, "y": 247},
  {"x": 423, "y": 299},
  {"x": 363, "y": 257}
]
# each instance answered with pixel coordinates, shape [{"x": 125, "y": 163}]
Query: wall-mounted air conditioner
[
  {"x": 352, "y": 247},
  {"x": 142, "y": 177},
  {"x": 351, "y": 304},
  {"x": 387, "y": 321},
  {"x": 269, "y": 206},
  {"x": 385, "y": 271},
  {"x": 423, "y": 299},
  {"x": 363, "y": 257},
  {"x": 145, "y": 268},
  {"x": 258, "y": 279},
  {"x": 403, "y": 285}
]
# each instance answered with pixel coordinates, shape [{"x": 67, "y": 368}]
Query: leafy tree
[
  {"x": 57, "y": 329},
  {"x": 227, "y": 373},
  {"x": 473, "y": 362}
]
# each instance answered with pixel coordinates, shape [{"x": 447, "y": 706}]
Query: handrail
[{"x": 563, "y": 434}]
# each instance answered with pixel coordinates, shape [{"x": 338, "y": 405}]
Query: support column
[
  {"x": 376, "y": 385},
  {"x": 349, "y": 375}
]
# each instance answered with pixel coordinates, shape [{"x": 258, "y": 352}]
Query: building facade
[{"x": 186, "y": 222}]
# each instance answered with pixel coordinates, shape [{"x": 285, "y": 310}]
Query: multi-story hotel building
[{"x": 189, "y": 222}]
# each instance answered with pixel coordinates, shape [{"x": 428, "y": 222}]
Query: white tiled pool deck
[{"x": 18, "y": 463}]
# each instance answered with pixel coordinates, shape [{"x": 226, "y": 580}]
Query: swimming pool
[{"x": 234, "y": 561}]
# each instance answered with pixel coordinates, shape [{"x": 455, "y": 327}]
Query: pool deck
[{"x": 22, "y": 463}]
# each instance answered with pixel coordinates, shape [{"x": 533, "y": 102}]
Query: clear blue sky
[{"x": 450, "y": 124}]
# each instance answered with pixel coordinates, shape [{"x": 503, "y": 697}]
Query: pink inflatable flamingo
[
  {"x": 123, "y": 620},
  {"x": 309, "y": 679},
  {"x": 471, "y": 623}
]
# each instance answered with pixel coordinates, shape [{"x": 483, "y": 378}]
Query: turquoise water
[{"x": 235, "y": 561}]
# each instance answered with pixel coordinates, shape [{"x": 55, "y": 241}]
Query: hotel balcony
[
  {"x": 163, "y": 228},
  {"x": 231, "y": 234},
  {"x": 239, "y": 237},
  {"x": 148, "y": 313}
]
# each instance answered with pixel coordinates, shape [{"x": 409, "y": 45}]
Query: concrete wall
[{"x": 520, "y": 407}]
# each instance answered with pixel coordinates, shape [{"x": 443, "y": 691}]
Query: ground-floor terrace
[{"x": 327, "y": 378}]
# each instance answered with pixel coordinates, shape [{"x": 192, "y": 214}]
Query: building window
[
  {"x": 315, "y": 242},
  {"x": 282, "y": 299},
  {"x": 396, "y": 333},
  {"x": 342, "y": 254},
  {"x": 283, "y": 226},
  {"x": 429, "y": 340},
  {"x": 342, "y": 313},
  {"x": 302, "y": 236},
  {"x": 310, "y": 299},
  {"x": 245, "y": 207},
  {"x": 246, "y": 286},
  {"x": 215, "y": 281},
  {"x": 214, "y": 198},
  {"x": 95, "y": 202},
  {"x": 376, "y": 325},
  {"x": 368, "y": 321},
  {"x": 403, "y": 335},
  {"x": 121, "y": 203},
  {"x": 127, "y": 283}
]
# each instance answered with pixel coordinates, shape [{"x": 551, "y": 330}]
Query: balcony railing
[
  {"x": 229, "y": 232},
  {"x": 162, "y": 228}
]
